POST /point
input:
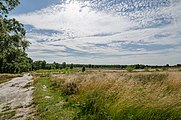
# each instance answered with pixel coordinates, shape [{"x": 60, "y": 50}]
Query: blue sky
[{"x": 103, "y": 32}]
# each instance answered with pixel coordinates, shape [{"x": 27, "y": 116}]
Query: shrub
[
  {"x": 83, "y": 69},
  {"x": 130, "y": 68},
  {"x": 71, "y": 66},
  {"x": 70, "y": 88}
]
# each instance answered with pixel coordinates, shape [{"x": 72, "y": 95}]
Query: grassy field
[
  {"x": 7, "y": 77},
  {"x": 109, "y": 95},
  {"x": 49, "y": 102}
]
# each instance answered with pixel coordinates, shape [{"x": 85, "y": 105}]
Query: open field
[{"x": 109, "y": 95}]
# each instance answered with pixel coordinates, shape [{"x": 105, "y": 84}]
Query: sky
[{"x": 102, "y": 31}]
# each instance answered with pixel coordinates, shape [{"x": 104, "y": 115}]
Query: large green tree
[{"x": 13, "y": 58}]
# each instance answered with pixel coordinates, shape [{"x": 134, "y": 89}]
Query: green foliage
[
  {"x": 13, "y": 58},
  {"x": 56, "y": 65},
  {"x": 83, "y": 69},
  {"x": 64, "y": 65},
  {"x": 7, "y": 5},
  {"x": 130, "y": 68},
  {"x": 167, "y": 65},
  {"x": 38, "y": 65},
  {"x": 43, "y": 64},
  {"x": 71, "y": 66}
]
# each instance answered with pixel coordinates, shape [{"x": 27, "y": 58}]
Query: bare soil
[{"x": 16, "y": 98}]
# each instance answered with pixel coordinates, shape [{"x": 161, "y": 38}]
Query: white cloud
[
  {"x": 80, "y": 25},
  {"x": 73, "y": 18}
]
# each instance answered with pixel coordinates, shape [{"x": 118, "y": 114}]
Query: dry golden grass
[
  {"x": 143, "y": 95},
  {"x": 7, "y": 77}
]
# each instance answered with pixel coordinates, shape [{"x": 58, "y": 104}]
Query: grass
[
  {"x": 122, "y": 96},
  {"x": 49, "y": 102},
  {"x": 64, "y": 71},
  {"x": 7, "y": 115},
  {"x": 7, "y": 77}
]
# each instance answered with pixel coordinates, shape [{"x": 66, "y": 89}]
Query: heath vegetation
[{"x": 122, "y": 95}]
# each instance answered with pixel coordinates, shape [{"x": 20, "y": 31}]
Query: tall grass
[{"x": 123, "y": 96}]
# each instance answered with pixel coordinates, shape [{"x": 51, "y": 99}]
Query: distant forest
[{"x": 37, "y": 65}]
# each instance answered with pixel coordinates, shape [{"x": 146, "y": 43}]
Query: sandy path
[{"x": 16, "y": 95}]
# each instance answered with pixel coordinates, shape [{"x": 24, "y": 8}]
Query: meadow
[{"x": 109, "y": 95}]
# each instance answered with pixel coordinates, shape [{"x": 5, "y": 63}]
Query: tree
[
  {"x": 37, "y": 65},
  {"x": 167, "y": 65},
  {"x": 43, "y": 64},
  {"x": 83, "y": 69},
  {"x": 64, "y": 65},
  {"x": 71, "y": 66},
  {"x": 90, "y": 65},
  {"x": 57, "y": 65},
  {"x": 13, "y": 58}
]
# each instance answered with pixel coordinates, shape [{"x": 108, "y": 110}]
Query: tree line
[{"x": 37, "y": 65}]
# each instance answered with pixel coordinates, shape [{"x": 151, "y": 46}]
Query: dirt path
[{"x": 16, "y": 98}]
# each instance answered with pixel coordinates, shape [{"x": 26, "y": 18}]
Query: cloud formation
[{"x": 106, "y": 32}]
